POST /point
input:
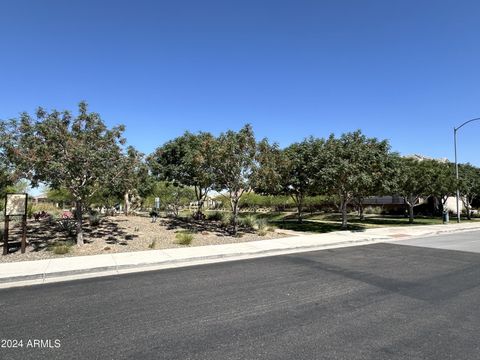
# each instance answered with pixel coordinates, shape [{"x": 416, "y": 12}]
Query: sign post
[{"x": 15, "y": 205}]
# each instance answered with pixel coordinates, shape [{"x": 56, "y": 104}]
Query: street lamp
[{"x": 455, "y": 129}]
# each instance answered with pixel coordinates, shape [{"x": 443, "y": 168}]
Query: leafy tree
[
  {"x": 469, "y": 185},
  {"x": 131, "y": 174},
  {"x": 354, "y": 166},
  {"x": 172, "y": 197},
  {"x": 187, "y": 160},
  {"x": 59, "y": 196},
  {"x": 75, "y": 153},
  {"x": 382, "y": 182},
  {"x": 235, "y": 166},
  {"x": 443, "y": 181},
  {"x": 7, "y": 174},
  {"x": 294, "y": 171},
  {"x": 414, "y": 181}
]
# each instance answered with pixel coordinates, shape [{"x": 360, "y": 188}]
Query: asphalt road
[{"x": 382, "y": 301}]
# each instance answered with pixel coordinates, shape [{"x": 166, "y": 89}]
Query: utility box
[{"x": 445, "y": 217}]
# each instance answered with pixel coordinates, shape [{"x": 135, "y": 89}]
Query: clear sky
[{"x": 403, "y": 70}]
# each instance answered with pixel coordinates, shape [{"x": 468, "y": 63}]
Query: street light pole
[
  {"x": 455, "y": 129},
  {"x": 456, "y": 173}
]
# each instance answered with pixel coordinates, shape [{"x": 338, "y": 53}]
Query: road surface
[{"x": 402, "y": 300}]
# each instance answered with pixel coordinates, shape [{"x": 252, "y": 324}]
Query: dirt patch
[{"x": 123, "y": 234}]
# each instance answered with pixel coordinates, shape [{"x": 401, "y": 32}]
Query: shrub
[
  {"x": 184, "y": 237},
  {"x": 152, "y": 244},
  {"x": 262, "y": 232},
  {"x": 66, "y": 225},
  {"x": 377, "y": 210},
  {"x": 94, "y": 219},
  {"x": 226, "y": 219},
  {"x": 67, "y": 215},
  {"x": 263, "y": 227},
  {"x": 215, "y": 216},
  {"x": 248, "y": 221},
  {"x": 262, "y": 224},
  {"x": 61, "y": 248},
  {"x": 30, "y": 210},
  {"x": 46, "y": 208}
]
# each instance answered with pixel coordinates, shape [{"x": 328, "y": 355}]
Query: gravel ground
[{"x": 123, "y": 234}]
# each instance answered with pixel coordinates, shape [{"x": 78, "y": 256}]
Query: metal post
[
  {"x": 24, "y": 234},
  {"x": 5, "y": 235},
  {"x": 456, "y": 173}
]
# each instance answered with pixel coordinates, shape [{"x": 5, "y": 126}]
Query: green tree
[
  {"x": 354, "y": 166},
  {"x": 60, "y": 196},
  {"x": 414, "y": 181},
  {"x": 294, "y": 171},
  {"x": 235, "y": 166},
  {"x": 443, "y": 182},
  {"x": 469, "y": 185},
  {"x": 172, "y": 197},
  {"x": 130, "y": 176},
  {"x": 75, "y": 153},
  {"x": 7, "y": 172},
  {"x": 187, "y": 160}
]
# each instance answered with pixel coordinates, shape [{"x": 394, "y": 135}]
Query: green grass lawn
[
  {"x": 323, "y": 223},
  {"x": 315, "y": 226}
]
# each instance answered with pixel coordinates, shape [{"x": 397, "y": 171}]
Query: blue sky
[{"x": 403, "y": 70}]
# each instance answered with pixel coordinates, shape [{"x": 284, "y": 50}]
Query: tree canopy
[
  {"x": 187, "y": 160},
  {"x": 355, "y": 166},
  {"x": 77, "y": 153}
]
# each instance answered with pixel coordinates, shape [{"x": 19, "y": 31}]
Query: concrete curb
[
  {"x": 44, "y": 277},
  {"x": 49, "y": 277}
]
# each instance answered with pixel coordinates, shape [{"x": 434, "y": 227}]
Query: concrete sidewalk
[{"x": 69, "y": 268}]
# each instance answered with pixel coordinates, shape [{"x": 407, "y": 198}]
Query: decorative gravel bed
[{"x": 123, "y": 234}]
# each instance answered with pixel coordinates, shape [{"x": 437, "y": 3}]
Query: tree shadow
[
  {"x": 41, "y": 235},
  {"x": 316, "y": 226},
  {"x": 202, "y": 226}
]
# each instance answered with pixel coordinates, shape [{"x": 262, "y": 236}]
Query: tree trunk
[
  {"x": 410, "y": 212},
  {"x": 235, "y": 215},
  {"x": 343, "y": 207},
  {"x": 360, "y": 210},
  {"x": 199, "y": 213},
  {"x": 201, "y": 197},
  {"x": 299, "y": 208},
  {"x": 126, "y": 198},
  {"x": 298, "y": 200},
  {"x": 467, "y": 205},
  {"x": 79, "y": 217}
]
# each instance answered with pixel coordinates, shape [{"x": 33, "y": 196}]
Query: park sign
[{"x": 16, "y": 205}]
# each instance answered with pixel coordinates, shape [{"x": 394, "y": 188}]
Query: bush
[
  {"x": 184, "y": 237},
  {"x": 45, "y": 207},
  {"x": 30, "y": 210},
  {"x": 226, "y": 219},
  {"x": 94, "y": 219},
  {"x": 248, "y": 221},
  {"x": 263, "y": 227},
  {"x": 66, "y": 225},
  {"x": 262, "y": 232},
  {"x": 215, "y": 216},
  {"x": 377, "y": 210},
  {"x": 61, "y": 248},
  {"x": 152, "y": 244}
]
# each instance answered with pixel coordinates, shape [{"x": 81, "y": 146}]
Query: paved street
[{"x": 402, "y": 300}]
